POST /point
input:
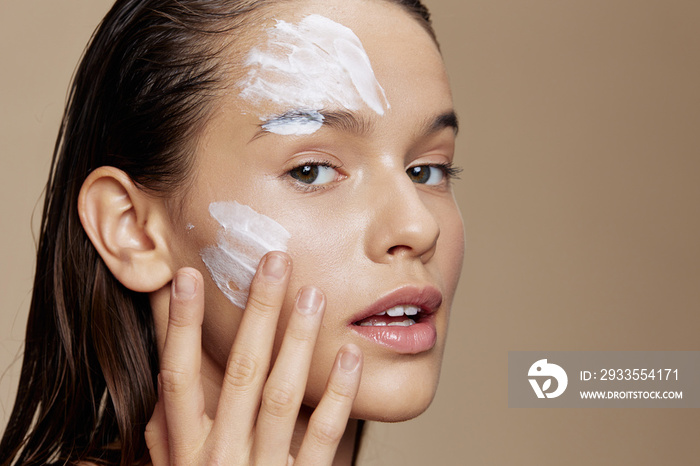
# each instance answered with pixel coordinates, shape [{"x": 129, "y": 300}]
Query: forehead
[{"x": 401, "y": 54}]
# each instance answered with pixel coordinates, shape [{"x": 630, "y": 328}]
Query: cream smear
[
  {"x": 245, "y": 237},
  {"x": 307, "y": 67},
  {"x": 295, "y": 122}
]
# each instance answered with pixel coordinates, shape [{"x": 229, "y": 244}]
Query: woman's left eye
[
  {"x": 314, "y": 174},
  {"x": 426, "y": 174}
]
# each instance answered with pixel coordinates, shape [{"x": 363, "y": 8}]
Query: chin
[
  {"x": 395, "y": 393},
  {"x": 390, "y": 410}
]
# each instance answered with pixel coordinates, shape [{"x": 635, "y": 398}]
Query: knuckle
[
  {"x": 300, "y": 337},
  {"x": 180, "y": 318},
  {"x": 340, "y": 394},
  {"x": 325, "y": 433},
  {"x": 241, "y": 371},
  {"x": 173, "y": 379},
  {"x": 261, "y": 307},
  {"x": 279, "y": 401}
]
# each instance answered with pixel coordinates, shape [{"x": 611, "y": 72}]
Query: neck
[{"x": 346, "y": 448}]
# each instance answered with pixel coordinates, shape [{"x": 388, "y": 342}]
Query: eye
[
  {"x": 426, "y": 174},
  {"x": 314, "y": 174},
  {"x": 434, "y": 174}
]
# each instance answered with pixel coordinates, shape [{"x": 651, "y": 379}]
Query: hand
[{"x": 257, "y": 408}]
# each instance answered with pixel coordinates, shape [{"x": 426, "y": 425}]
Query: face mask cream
[
  {"x": 245, "y": 237},
  {"x": 307, "y": 67}
]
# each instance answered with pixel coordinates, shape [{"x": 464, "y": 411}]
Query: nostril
[{"x": 395, "y": 250}]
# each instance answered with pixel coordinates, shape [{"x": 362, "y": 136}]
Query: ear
[{"x": 128, "y": 227}]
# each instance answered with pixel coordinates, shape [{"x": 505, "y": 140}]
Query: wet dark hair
[{"x": 145, "y": 87}]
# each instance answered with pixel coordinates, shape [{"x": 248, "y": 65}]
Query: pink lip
[{"x": 414, "y": 339}]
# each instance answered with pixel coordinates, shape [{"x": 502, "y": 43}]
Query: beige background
[{"x": 581, "y": 196}]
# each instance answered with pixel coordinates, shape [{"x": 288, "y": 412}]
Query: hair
[{"x": 144, "y": 89}]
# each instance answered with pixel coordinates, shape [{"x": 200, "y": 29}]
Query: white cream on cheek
[
  {"x": 245, "y": 237},
  {"x": 310, "y": 66}
]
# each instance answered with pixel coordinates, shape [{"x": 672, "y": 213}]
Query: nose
[{"x": 401, "y": 224}]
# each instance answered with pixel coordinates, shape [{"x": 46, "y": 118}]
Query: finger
[
  {"x": 285, "y": 387},
  {"x": 328, "y": 422},
  {"x": 249, "y": 360},
  {"x": 182, "y": 393},
  {"x": 156, "y": 433}
]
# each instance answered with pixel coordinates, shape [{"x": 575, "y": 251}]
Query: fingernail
[
  {"x": 185, "y": 286},
  {"x": 309, "y": 301},
  {"x": 275, "y": 267},
  {"x": 349, "y": 361}
]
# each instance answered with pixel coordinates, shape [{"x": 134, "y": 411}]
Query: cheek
[
  {"x": 227, "y": 248},
  {"x": 451, "y": 246},
  {"x": 325, "y": 247},
  {"x": 326, "y": 253},
  {"x": 221, "y": 320},
  {"x": 244, "y": 237}
]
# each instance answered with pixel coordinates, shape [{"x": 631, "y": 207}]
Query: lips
[{"x": 402, "y": 320}]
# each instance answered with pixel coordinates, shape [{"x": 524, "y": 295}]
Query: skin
[{"x": 367, "y": 232}]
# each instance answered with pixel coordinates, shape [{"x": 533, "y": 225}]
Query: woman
[{"x": 202, "y": 138}]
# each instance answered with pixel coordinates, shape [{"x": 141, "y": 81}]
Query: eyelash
[{"x": 451, "y": 170}]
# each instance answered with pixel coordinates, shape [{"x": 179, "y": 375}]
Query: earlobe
[{"x": 128, "y": 227}]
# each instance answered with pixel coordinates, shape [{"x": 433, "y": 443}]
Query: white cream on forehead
[
  {"x": 245, "y": 237},
  {"x": 307, "y": 67},
  {"x": 295, "y": 122}
]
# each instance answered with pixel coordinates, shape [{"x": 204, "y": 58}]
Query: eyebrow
[
  {"x": 347, "y": 121},
  {"x": 351, "y": 122},
  {"x": 336, "y": 119},
  {"x": 445, "y": 120}
]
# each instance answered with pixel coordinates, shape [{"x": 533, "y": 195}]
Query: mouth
[{"x": 403, "y": 320}]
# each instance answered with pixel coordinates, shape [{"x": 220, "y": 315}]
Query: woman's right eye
[{"x": 314, "y": 174}]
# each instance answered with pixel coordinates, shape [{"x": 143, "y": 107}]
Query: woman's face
[{"x": 365, "y": 231}]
